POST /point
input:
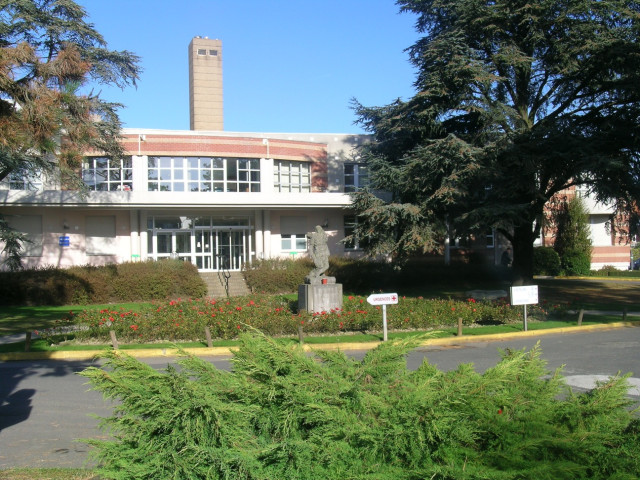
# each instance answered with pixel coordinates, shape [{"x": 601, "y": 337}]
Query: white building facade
[{"x": 217, "y": 199}]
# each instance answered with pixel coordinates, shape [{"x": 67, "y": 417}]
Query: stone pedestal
[{"x": 322, "y": 297}]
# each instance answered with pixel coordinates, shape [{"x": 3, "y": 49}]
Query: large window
[
  {"x": 356, "y": 176},
  {"x": 25, "y": 180},
  {"x": 291, "y": 176},
  {"x": 203, "y": 174},
  {"x": 104, "y": 174}
]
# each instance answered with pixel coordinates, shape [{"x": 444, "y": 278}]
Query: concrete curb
[{"x": 227, "y": 351}]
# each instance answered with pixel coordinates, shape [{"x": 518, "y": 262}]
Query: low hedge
[
  {"x": 125, "y": 282},
  {"x": 364, "y": 275},
  {"x": 186, "y": 319}
]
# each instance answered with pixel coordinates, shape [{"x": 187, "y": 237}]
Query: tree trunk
[{"x": 523, "y": 239}]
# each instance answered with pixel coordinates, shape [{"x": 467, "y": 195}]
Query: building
[
  {"x": 608, "y": 231},
  {"x": 217, "y": 199}
]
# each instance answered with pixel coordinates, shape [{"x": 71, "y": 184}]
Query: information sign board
[
  {"x": 382, "y": 299},
  {"x": 525, "y": 295}
]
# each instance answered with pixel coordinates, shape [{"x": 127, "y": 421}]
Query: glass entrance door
[
  {"x": 207, "y": 245},
  {"x": 231, "y": 249},
  {"x": 204, "y": 248}
]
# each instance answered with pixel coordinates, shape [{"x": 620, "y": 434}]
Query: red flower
[
  {"x": 499, "y": 411},
  {"x": 239, "y": 309},
  {"x": 134, "y": 327}
]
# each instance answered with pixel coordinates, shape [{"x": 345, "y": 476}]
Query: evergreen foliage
[
  {"x": 572, "y": 238},
  {"x": 49, "y": 57},
  {"x": 546, "y": 261},
  {"x": 280, "y": 414},
  {"x": 516, "y": 101}
]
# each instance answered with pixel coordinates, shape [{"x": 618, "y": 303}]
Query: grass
[
  {"x": 28, "y": 318},
  {"x": 47, "y": 474}
]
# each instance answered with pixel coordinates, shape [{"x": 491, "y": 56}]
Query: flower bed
[{"x": 186, "y": 319}]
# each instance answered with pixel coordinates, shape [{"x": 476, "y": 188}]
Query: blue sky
[{"x": 289, "y": 65}]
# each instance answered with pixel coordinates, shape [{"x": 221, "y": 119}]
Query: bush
[
  {"x": 363, "y": 275},
  {"x": 277, "y": 275},
  {"x": 137, "y": 281},
  {"x": 576, "y": 262},
  {"x": 280, "y": 414},
  {"x": 546, "y": 261},
  {"x": 186, "y": 319}
]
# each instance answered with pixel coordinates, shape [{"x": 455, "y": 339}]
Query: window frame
[
  {"x": 23, "y": 180},
  {"x": 203, "y": 174},
  {"x": 357, "y": 178},
  {"x": 293, "y": 238},
  {"x": 114, "y": 177},
  {"x": 290, "y": 181}
]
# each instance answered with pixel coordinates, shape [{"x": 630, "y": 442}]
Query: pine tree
[
  {"x": 573, "y": 237},
  {"x": 49, "y": 55},
  {"x": 516, "y": 101}
]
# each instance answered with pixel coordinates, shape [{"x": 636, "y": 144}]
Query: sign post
[
  {"x": 383, "y": 299},
  {"x": 524, "y": 296}
]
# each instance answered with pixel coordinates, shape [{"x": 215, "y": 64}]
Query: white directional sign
[{"x": 382, "y": 299}]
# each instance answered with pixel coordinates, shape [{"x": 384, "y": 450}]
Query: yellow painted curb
[{"x": 227, "y": 351}]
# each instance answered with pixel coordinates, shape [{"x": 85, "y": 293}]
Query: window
[
  {"x": 202, "y": 51},
  {"x": 100, "y": 235},
  {"x": 203, "y": 174},
  {"x": 296, "y": 242},
  {"x": 31, "y": 227},
  {"x": 213, "y": 53},
  {"x": 291, "y": 176},
  {"x": 292, "y": 237},
  {"x": 490, "y": 238},
  {"x": 25, "y": 180},
  {"x": 350, "y": 223},
  {"x": 356, "y": 177},
  {"x": 105, "y": 175}
]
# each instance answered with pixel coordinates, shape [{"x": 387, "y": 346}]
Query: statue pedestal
[{"x": 322, "y": 297}]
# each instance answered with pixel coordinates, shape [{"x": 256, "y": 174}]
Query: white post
[
  {"x": 525, "y": 317},
  {"x": 384, "y": 322}
]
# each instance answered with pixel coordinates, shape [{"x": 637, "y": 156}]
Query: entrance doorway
[{"x": 210, "y": 248}]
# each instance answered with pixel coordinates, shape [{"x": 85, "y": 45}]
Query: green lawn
[
  {"x": 591, "y": 294},
  {"x": 28, "y": 318}
]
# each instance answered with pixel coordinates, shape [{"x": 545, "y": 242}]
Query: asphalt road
[{"x": 45, "y": 406}]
